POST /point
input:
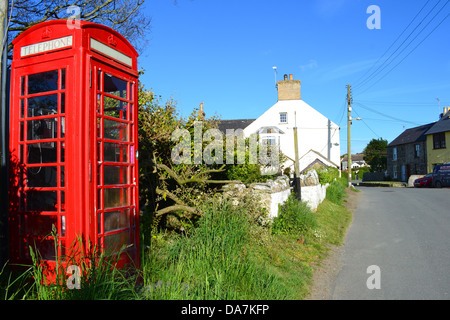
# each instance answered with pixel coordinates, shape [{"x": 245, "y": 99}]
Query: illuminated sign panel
[
  {"x": 113, "y": 53},
  {"x": 50, "y": 45}
]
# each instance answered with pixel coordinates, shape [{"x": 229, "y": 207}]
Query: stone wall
[{"x": 275, "y": 192}]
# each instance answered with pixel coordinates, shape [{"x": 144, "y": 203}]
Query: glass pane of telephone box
[
  {"x": 115, "y": 175},
  {"x": 115, "y": 86},
  {"x": 42, "y": 129},
  {"x": 43, "y": 105},
  {"x": 43, "y": 82},
  {"x": 116, "y": 242},
  {"x": 115, "y": 220},
  {"x": 39, "y": 201},
  {"x": 41, "y": 153},
  {"x": 115, "y": 197},
  {"x": 115, "y": 130},
  {"x": 41, "y": 177},
  {"x": 114, "y": 152},
  {"x": 114, "y": 108}
]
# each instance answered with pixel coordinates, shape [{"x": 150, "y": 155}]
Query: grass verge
[{"x": 229, "y": 255}]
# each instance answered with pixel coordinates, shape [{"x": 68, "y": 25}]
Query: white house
[{"x": 318, "y": 137}]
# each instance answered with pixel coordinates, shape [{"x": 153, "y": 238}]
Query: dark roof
[
  {"x": 355, "y": 157},
  {"x": 412, "y": 135},
  {"x": 442, "y": 125},
  {"x": 234, "y": 124}
]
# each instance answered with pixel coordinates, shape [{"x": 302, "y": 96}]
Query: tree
[
  {"x": 375, "y": 154},
  {"x": 124, "y": 16},
  {"x": 170, "y": 192}
]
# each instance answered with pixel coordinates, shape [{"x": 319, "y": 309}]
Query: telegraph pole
[
  {"x": 349, "y": 133},
  {"x": 297, "y": 182}
]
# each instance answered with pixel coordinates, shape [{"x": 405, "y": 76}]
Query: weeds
[
  {"x": 336, "y": 191},
  {"x": 294, "y": 217},
  {"x": 99, "y": 277}
]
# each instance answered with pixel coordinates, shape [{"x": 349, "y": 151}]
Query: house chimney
[
  {"x": 289, "y": 89},
  {"x": 201, "y": 113},
  {"x": 446, "y": 110}
]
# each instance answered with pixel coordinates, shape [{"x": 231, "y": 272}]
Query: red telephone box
[{"x": 73, "y": 141}]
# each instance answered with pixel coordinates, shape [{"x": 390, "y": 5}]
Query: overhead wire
[
  {"x": 383, "y": 66},
  {"x": 357, "y": 82},
  {"x": 445, "y": 18},
  {"x": 385, "y": 115},
  {"x": 365, "y": 123}
]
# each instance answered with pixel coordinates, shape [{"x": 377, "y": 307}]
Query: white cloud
[
  {"x": 311, "y": 65},
  {"x": 349, "y": 69}
]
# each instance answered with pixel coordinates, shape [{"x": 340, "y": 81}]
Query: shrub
[
  {"x": 246, "y": 173},
  {"x": 327, "y": 175},
  {"x": 293, "y": 217}
]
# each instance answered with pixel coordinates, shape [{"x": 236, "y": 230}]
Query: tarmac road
[{"x": 404, "y": 234}]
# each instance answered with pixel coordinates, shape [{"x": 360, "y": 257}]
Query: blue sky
[{"x": 221, "y": 52}]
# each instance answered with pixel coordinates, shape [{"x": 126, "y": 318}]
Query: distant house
[
  {"x": 357, "y": 161},
  {"x": 438, "y": 140},
  {"x": 318, "y": 137},
  {"x": 407, "y": 154}
]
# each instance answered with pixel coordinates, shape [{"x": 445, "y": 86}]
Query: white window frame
[
  {"x": 269, "y": 140},
  {"x": 394, "y": 154},
  {"x": 285, "y": 117}
]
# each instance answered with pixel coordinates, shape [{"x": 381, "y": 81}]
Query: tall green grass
[
  {"x": 294, "y": 217},
  {"x": 336, "y": 191},
  {"x": 212, "y": 262},
  {"x": 99, "y": 277}
]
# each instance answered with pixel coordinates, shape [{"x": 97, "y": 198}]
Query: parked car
[
  {"x": 441, "y": 175},
  {"x": 425, "y": 181}
]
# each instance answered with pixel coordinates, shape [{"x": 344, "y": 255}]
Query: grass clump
[
  {"x": 336, "y": 191},
  {"x": 98, "y": 274},
  {"x": 294, "y": 217}
]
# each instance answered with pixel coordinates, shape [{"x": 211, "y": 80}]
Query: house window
[
  {"x": 417, "y": 151},
  {"x": 394, "y": 154},
  {"x": 394, "y": 171},
  {"x": 283, "y": 117},
  {"x": 439, "y": 140}
]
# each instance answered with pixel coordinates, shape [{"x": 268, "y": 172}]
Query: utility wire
[
  {"x": 385, "y": 115},
  {"x": 445, "y": 18},
  {"x": 403, "y": 104},
  {"x": 384, "y": 65},
  {"x": 357, "y": 82},
  {"x": 365, "y": 123}
]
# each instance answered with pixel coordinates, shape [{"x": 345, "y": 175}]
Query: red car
[{"x": 425, "y": 181}]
